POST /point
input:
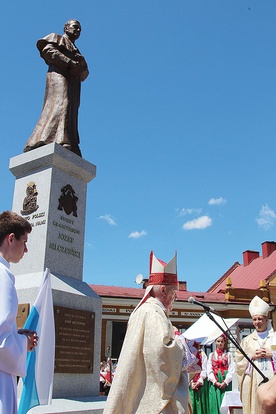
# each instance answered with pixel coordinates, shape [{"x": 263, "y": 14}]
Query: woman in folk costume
[
  {"x": 109, "y": 374},
  {"x": 102, "y": 378},
  {"x": 199, "y": 387},
  {"x": 220, "y": 368},
  {"x": 258, "y": 347},
  {"x": 149, "y": 377}
]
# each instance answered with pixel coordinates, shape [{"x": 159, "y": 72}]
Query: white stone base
[
  {"x": 70, "y": 293},
  {"x": 85, "y": 405}
]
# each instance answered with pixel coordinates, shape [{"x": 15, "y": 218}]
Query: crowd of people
[
  {"x": 207, "y": 387},
  {"x": 209, "y": 377},
  {"x": 159, "y": 372},
  {"x": 220, "y": 368}
]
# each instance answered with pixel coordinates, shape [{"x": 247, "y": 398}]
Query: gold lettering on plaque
[{"x": 74, "y": 330}]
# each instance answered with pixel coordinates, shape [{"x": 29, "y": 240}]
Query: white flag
[{"x": 38, "y": 383}]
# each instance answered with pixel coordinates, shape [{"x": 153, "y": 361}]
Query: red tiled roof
[
  {"x": 125, "y": 292},
  {"x": 223, "y": 278},
  {"x": 118, "y": 291},
  {"x": 249, "y": 276}
]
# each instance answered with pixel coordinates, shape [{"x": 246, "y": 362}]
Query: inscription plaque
[
  {"x": 22, "y": 314},
  {"x": 74, "y": 330}
]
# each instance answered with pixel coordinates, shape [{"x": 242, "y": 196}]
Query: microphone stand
[{"x": 237, "y": 345}]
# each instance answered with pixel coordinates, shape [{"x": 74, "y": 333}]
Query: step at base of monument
[{"x": 85, "y": 405}]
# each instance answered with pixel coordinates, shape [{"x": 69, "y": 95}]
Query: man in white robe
[
  {"x": 149, "y": 378},
  {"x": 258, "y": 347},
  {"x": 14, "y": 345}
]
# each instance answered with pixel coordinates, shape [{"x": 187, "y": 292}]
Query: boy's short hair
[{"x": 11, "y": 222}]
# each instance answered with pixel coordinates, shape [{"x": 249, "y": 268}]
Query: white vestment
[
  {"x": 249, "y": 379},
  {"x": 13, "y": 347},
  {"x": 149, "y": 377}
]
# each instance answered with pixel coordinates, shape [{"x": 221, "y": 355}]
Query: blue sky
[{"x": 179, "y": 116}]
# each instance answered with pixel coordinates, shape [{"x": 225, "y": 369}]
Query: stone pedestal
[
  {"x": 58, "y": 178},
  {"x": 50, "y": 192}
]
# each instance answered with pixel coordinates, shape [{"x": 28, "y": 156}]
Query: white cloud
[
  {"x": 266, "y": 217},
  {"x": 199, "y": 223},
  {"x": 109, "y": 219},
  {"x": 137, "y": 234},
  {"x": 217, "y": 201},
  {"x": 185, "y": 211}
]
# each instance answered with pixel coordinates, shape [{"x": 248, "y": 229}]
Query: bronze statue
[{"x": 67, "y": 69}]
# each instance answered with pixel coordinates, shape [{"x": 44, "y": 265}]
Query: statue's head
[{"x": 72, "y": 29}]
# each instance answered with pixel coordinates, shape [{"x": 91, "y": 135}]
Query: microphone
[{"x": 196, "y": 302}]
